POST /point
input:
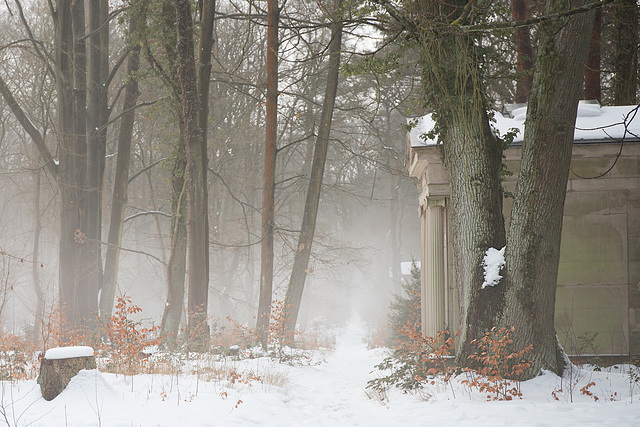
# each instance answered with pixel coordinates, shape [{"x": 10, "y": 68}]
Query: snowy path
[{"x": 329, "y": 394}]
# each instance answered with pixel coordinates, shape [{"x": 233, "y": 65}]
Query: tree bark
[
  {"x": 533, "y": 245},
  {"x": 269, "y": 185},
  {"x": 592, "y": 87},
  {"x": 314, "y": 191},
  {"x": 197, "y": 209},
  {"x": 39, "y": 315},
  {"x": 86, "y": 291},
  {"x": 207, "y": 12},
  {"x": 70, "y": 209},
  {"x": 477, "y": 222},
  {"x": 96, "y": 136},
  {"x": 177, "y": 265},
  {"x": 453, "y": 89},
  {"x": 121, "y": 181},
  {"x": 524, "y": 76}
]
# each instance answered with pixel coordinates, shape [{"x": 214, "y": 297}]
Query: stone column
[{"x": 433, "y": 268}]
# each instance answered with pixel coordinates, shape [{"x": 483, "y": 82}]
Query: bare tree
[
  {"x": 314, "y": 191},
  {"x": 269, "y": 184}
]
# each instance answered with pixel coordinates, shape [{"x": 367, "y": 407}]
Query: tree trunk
[
  {"x": 177, "y": 265},
  {"x": 473, "y": 157},
  {"x": 625, "y": 65},
  {"x": 592, "y": 88},
  {"x": 96, "y": 135},
  {"x": 533, "y": 246},
  {"x": 524, "y": 76},
  {"x": 307, "y": 231},
  {"x": 39, "y": 315},
  {"x": 121, "y": 182},
  {"x": 197, "y": 210},
  {"x": 70, "y": 210},
  {"x": 477, "y": 222},
  {"x": 269, "y": 185},
  {"x": 205, "y": 47}
]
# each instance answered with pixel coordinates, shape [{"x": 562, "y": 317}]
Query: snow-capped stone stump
[{"x": 59, "y": 365}]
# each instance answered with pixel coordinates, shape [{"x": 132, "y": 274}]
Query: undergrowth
[
  {"x": 420, "y": 361},
  {"x": 126, "y": 345}
]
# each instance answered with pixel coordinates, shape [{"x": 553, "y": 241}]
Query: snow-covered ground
[{"x": 328, "y": 390}]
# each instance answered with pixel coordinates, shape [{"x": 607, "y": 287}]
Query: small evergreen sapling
[{"x": 404, "y": 310}]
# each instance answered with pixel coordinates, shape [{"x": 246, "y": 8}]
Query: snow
[
  {"x": 593, "y": 124},
  {"x": 405, "y": 267},
  {"x": 330, "y": 390},
  {"x": 493, "y": 262},
  {"x": 68, "y": 352}
]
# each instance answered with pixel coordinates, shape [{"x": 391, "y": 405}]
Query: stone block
[
  {"x": 579, "y": 203},
  {"x": 592, "y": 319},
  {"x": 589, "y": 167}
]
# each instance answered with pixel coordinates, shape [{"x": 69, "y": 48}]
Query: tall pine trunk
[
  {"x": 269, "y": 174},
  {"x": 524, "y": 76}
]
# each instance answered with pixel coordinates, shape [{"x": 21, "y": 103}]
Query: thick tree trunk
[
  {"x": 476, "y": 203},
  {"x": 197, "y": 209},
  {"x": 524, "y": 77},
  {"x": 86, "y": 289},
  {"x": 269, "y": 185},
  {"x": 533, "y": 245},
  {"x": 625, "y": 65},
  {"x": 121, "y": 181},
  {"x": 307, "y": 231},
  {"x": 473, "y": 157}
]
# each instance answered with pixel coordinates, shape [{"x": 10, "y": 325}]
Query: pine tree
[{"x": 404, "y": 310}]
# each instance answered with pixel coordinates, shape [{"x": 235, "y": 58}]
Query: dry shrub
[
  {"x": 18, "y": 358},
  {"x": 421, "y": 360},
  {"x": 497, "y": 365},
  {"x": 127, "y": 339}
]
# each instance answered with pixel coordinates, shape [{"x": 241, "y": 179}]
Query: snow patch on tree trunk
[{"x": 493, "y": 262}]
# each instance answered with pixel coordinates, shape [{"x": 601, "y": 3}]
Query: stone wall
[{"x": 598, "y": 300}]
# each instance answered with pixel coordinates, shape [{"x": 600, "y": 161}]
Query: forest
[
  {"x": 207, "y": 166},
  {"x": 126, "y": 166}
]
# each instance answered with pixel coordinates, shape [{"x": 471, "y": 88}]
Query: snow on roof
[
  {"x": 593, "y": 124},
  {"x": 405, "y": 267},
  {"x": 68, "y": 352}
]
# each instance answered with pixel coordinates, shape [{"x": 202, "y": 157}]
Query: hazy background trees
[{"x": 362, "y": 216}]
